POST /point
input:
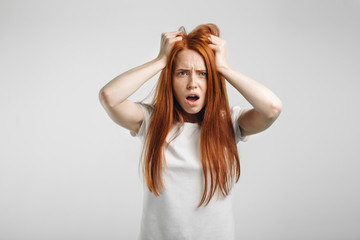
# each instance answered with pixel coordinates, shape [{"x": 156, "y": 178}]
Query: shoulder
[
  {"x": 236, "y": 112},
  {"x": 147, "y": 110}
]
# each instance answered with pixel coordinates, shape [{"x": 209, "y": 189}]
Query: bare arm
[
  {"x": 113, "y": 96},
  {"x": 266, "y": 105}
]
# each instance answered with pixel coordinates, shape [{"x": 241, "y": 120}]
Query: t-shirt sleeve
[
  {"x": 235, "y": 114},
  {"x": 147, "y": 110}
]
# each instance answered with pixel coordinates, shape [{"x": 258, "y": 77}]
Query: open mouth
[{"x": 192, "y": 98}]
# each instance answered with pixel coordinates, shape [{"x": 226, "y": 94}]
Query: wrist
[
  {"x": 223, "y": 69},
  {"x": 161, "y": 61}
]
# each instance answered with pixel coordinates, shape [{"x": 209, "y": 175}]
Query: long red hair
[{"x": 219, "y": 155}]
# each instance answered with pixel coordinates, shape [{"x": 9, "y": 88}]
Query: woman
[{"x": 190, "y": 133}]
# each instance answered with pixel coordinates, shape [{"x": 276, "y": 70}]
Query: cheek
[
  {"x": 176, "y": 89},
  {"x": 204, "y": 90},
  {"x": 204, "y": 85},
  {"x": 179, "y": 84}
]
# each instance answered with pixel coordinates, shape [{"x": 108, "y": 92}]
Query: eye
[
  {"x": 181, "y": 73},
  {"x": 203, "y": 74}
]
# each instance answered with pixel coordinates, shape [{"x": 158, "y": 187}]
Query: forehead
[{"x": 189, "y": 59}]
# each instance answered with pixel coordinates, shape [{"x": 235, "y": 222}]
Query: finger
[
  {"x": 179, "y": 38},
  {"x": 176, "y": 32},
  {"x": 171, "y": 38},
  {"x": 170, "y": 34},
  {"x": 214, "y": 39},
  {"x": 213, "y": 47}
]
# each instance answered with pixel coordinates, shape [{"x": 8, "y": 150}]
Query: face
[{"x": 190, "y": 82}]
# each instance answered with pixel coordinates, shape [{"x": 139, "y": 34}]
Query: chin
[{"x": 193, "y": 110}]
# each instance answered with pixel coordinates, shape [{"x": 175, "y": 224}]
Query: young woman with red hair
[{"x": 190, "y": 133}]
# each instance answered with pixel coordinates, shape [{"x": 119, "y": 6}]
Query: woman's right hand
[{"x": 167, "y": 42}]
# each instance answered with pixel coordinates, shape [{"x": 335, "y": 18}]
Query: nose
[{"x": 192, "y": 81}]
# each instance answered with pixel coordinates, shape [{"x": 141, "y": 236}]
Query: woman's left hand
[{"x": 219, "y": 47}]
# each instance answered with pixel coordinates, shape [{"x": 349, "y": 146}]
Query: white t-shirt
[{"x": 174, "y": 214}]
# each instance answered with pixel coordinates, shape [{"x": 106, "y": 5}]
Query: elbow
[
  {"x": 276, "y": 108},
  {"x": 109, "y": 98},
  {"x": 102, "y": 94},
  {"x": 104, "y": 97},
  {"x": 272, "y": 111}
]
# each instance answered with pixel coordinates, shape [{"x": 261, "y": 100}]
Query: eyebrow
[{"x": 188, "y": 69}]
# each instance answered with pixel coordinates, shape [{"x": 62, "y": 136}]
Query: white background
[{"x": 68, "y": 172}]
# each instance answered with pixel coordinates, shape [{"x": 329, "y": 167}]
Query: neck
[{"x": 193, "y": 118}]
